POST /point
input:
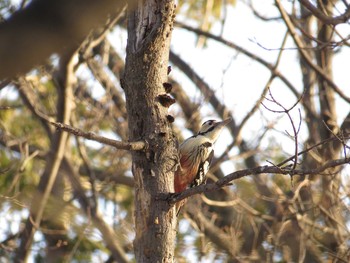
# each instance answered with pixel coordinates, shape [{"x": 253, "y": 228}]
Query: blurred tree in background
[{"x": 286, "y": 197}]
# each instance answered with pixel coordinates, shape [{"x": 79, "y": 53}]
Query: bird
[{"x": 196, "y": 153}]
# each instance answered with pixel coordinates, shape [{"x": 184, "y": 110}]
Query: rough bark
[{"x": 149, "y": 31}]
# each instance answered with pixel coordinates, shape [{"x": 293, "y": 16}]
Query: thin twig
[
  {"x": 287, "y": 111},
  {"x": 305, "y": 55}
]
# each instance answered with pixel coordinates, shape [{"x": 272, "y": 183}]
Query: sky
[{"x": 238, "y": 80}]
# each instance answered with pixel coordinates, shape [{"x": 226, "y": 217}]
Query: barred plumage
[{"x": 196, "y": 154}]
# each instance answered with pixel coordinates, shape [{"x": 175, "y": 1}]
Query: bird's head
[{"x": 212, "y": 129}]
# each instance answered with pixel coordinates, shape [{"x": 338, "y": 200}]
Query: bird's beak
[
  {"x": 225, "y": 122},
  {"x": 222, "y": 124}
]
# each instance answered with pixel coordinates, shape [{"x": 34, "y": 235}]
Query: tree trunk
[{"x": 149, "y": 30}]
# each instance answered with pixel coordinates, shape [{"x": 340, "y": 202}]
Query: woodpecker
[{"x": 196, "y": 153}]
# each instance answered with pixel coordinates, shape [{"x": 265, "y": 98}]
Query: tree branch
[
  {"x": 131, "y": 146},
  {"x": 89, "y": 208},
  {"x": 298, "y": 42},
  {"x": 343, "y": 18},
  {"x": 65, "y": 82},
  {"x": 217, "y": 235},
  {"x": 271, "y": 169},
  {"x": 240, "y": 49}
]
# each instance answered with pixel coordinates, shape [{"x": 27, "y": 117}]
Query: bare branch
[
  {"x": 343, "y": 18},
  {"x": 216, "y": 234},
  {"x": 305, "y": 55},
  {"x": 65, "y": 83},
  {"x": 238, "y": 137},
  {"x": 271, "y": 169},
  {"x": 90, "y": 209},
  {"x": 242, "y": 50},
  {"x": 287, "y": 111},
  {"x": 131, "y": 146}
]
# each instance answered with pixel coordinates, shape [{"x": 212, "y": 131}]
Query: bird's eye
[{"x": 209, "y": 123}]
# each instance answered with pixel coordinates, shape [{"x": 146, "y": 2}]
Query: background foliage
[{"x": 284, "y": 83}]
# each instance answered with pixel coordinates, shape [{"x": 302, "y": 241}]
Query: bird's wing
[
  {"x": 194, "y": 162},
  {"x": 204, "y": 165},
  {"x": 185, "y": 173}
]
